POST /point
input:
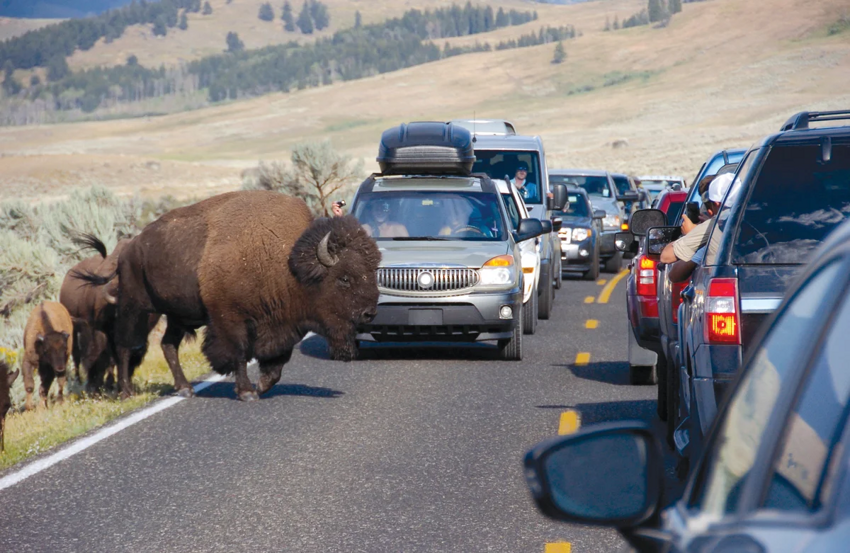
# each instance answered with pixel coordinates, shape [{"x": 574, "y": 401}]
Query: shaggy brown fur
[
  {"x": 225, "y": 263},
  {"x": 6, "y": 380},
  {"x": 47, "y": 347}
]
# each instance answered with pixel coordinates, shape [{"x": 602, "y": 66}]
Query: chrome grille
[{"x": 445, "y": 280}]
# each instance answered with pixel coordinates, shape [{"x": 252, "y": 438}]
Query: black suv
[{"x": 789, "y": 192}]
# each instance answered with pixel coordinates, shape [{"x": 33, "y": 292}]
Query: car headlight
[
  {"x": 611, "y": 222},
  {"x": 499, "y": 272},
  {"x": 580, "y": 234}
]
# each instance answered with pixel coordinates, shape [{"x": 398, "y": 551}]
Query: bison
[
  {"x": 258, "y": 271},
  {"x": 47, "y": 347},
  {"x": 6, "y": 380},
  {"x": 92, "y": 310}
]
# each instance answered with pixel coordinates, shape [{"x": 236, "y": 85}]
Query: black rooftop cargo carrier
[{"x": 429, "y": 148}]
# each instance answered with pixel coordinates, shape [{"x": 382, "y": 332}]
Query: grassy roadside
[{"x": 30, "y": 433}]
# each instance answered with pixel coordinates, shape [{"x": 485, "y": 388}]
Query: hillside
[
  {"x": 57, "y": 8},
  {"x": 675, "y": 94}
]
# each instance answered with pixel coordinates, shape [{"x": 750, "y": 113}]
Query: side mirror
[
  {"x": 599, "y": 214},
  {"x": 557, "y": 222},
  {"x": 658, "y": 237},
  {"x": 644, "y": 219},
  {"x": 547, "y": 226},
  {"x": 529, "y": 228},
  {"x": 550, "y": 203},
  {"x": 628, "y": 196},
  {"x": 625, "y": 242},
  {"x": 560, "y": 198},
  {"x": 610, "y": 475}
]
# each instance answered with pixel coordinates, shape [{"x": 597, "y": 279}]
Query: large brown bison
[
  {"x": 92, "y": 310},
  {"x": 47, "y": 347},
  {"x": 257, "y": 271},
  {"x": 6, "y": 380}
]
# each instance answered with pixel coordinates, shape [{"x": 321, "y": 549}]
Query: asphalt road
[{"x": 415, "y": 449}]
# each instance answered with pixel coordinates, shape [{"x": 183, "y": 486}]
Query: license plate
[{"x": 425, "y": 317}]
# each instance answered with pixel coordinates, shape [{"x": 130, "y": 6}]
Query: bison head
[
  {"x": 52, "y": 350},
  {"x": 336, "y": 261}
]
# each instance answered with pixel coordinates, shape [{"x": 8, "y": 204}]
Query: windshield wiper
[{"x": 418, "y": 238}]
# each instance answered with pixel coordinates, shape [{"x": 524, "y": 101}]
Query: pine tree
[
  {"x": 132, "y": 60},
  {"x": 159, "y": 27},
  {"x": 184, "y": 23},
  {"x": 305, "y": 22},
  {"x": 233, "y": 43},
  {"x": 560, "y": 53},
  {"x": 266, "y": 12},
  {"x": 57, "y": 68},
  {"x": 194, "y": 6},
  {"x": 674, "y": 6},
  {"x": 288, "y": 19},
  {"x": 657, "y": 10},
  {"x": 319, "y": 13},
  {"x": 616, "y": 24},
  {"x": 502, "y": 18},
  {"x": 358, "y": 20},
  {"x": 207, "y": 9}
]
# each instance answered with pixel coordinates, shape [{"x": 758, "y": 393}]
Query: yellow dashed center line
[
  {"x": 605, "y": 295},
  {"x": 601, "y": 281},
  {"x": 570, "y": 422},
  {"x": 560, "y": 547},
  {"x": 591, "y": 323},
  {"x": 589, "y": 299},
  {"x": 582, "y": 358}
]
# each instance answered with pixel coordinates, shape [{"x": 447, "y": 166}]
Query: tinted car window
[
  {"x": 814, "y": 427},
  {"x": 740, "y": 432},
  {"x": 622, "y": 184},
  {"x": 503, "y": 165},
  {"x": 795, "y": 203},
  {"x": 578, "y": 207},
  {"x": 513, "y": 211},
  {"x": 673, "y": 210},
  {"x": 593, "y": 185},
  {"x": 431, "y": 215}
]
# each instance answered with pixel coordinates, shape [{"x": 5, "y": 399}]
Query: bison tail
[
  {"x": 90, "y": 241},
  {"x": 93, "y": 279}
]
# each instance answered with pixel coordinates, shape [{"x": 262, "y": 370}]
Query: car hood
[
  {"x": 427, "y": 253},
  {"x": 609, "y": 205},
  {"x": 580, "y": 222}
]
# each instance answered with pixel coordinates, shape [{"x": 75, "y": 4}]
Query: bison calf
[
  {"x": 6, "y": 380},
  {"x": 47, "y": 345}
]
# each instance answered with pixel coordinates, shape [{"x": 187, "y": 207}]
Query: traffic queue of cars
[{"x": 749, "y": 339}]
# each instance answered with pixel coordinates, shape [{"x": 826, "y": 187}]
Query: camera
[
  {"x": 692, "y": 212},
  {"x": 340, "y": 203}
]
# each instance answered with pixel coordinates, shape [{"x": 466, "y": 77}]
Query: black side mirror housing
[
  {"x": 530, "y": 228},
  {"x": 560, "y": 198},
  {"x": 550, "y": 203},
  {"x": 599, "y": 214},
  {"x": 557, "y": 222},
  {"x": 547, "y": 226},
  {"x": 625, "y": 242},
  {"x": 608, "y": 475},
  {"x": 644, "y": 219},
  {"x": 658, "y": 237}
]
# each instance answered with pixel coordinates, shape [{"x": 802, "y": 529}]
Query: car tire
[
  {"x": 510, "y": 349},
  {"x": 641, "y": 376},
  {"x": 593, "y": 272},
  {"x": 613, "y": 264},
  {"x": 529, "y": 314},
  {"x": 544, "y": 306},
  {"x": 559, "y": 274}
]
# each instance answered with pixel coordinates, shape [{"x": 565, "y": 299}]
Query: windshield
[
  {"x": 431, "y": 215},
  {"x": 509, "y": 166},
  {"x": 578, "y": 207},
  {"x": 622, "y": 183},
  {"x": 593, "y": 185},
  {"x": 796, "y": 201}
]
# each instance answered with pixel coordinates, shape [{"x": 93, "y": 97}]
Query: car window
[
  {"x": 740, "y": 432},
  {"x": 795, "y": 202},
  {"x": 513, "y": 210},
  {"x": 499, "y": 164},
  {"x": 673, "y": 209},
  {"x": 622, "y": 184},
  {"x": 578, "y": 207},
  {"x": 593, "y": 185},
  {"x": 815, "y": 426},
  {"x": 430, "y": 215}
]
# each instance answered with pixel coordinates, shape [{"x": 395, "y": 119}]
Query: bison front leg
[
  {"x": 170, "y": 348},
  {"x": 29, "y": 384},
  {"x": 270, "y": 370},
  {"x": 124, "y": 384},
  {"x": 47, "y": 375}
]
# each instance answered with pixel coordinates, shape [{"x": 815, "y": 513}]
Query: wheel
[
  {"x": 613, "y": 264},
  {"x": 593, "y": 272},
  {"x": 661, "y": 373},
  {"x": 544, "y": 307},
  {"x": 510, "y": 349},
  {"x": 559, "y": 274},
  {"x": 639, "y": 376},
  {"x": 529, "y": 314}
]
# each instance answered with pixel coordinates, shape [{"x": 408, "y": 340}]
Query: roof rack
[{"x": 801, "y": 120}]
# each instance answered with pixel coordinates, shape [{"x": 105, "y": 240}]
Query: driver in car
[
  {"x": 528, "y": 190},
  {"x": 457, "y": 221},
  {"x": 381, "y": 226}
]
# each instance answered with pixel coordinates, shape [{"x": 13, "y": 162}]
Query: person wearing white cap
[{"x": 685, "y": 247}]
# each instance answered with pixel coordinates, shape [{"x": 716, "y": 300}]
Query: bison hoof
[
  {"x": 186, "y": 392},
  {"x": 249, "y": 395},
  {"x": 265, "y": 384},
  {"x": 124, "y": 396}
]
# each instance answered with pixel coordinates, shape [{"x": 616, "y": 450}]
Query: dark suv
[{"x": 790, "y": 191}]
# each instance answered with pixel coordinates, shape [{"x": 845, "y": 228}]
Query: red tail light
[
  {"x": 676, "y": 300},
  {"x": 722, "y": 325},
  {"x": 645, "y": 276}
]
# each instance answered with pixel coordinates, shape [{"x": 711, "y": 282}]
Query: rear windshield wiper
[{"x": 418, "y": 238}]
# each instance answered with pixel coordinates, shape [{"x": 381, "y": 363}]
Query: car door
[{"x": 767, "y": 480}]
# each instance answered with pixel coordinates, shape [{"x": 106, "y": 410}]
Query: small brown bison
[
  {"x": 92, "y": 310},
  {"x": 258, "y": 271},
  {"x": 47, "y": 347},
  {"x": 6, "y": 380}
]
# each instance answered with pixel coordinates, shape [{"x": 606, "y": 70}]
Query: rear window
[
  {"x": 673, "y": 210},
  {"x": 622, "y": 184},
  {"x": 796, "y": 202},
  {"x": 577, "y": 207}
]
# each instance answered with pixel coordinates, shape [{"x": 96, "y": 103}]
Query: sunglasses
[{"x": 523, "y": 170}]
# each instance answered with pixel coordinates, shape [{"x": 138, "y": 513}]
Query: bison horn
[
  {"x": 325, "y": 257},
  {"x": 110, "y": 299}
]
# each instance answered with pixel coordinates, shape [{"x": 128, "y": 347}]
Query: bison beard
[{"x": 257, "y": 271}]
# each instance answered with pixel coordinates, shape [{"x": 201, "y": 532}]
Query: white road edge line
[{"x": 80, "y": 445}]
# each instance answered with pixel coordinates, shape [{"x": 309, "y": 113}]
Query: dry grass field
[{"x": 722, "y": 74}]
